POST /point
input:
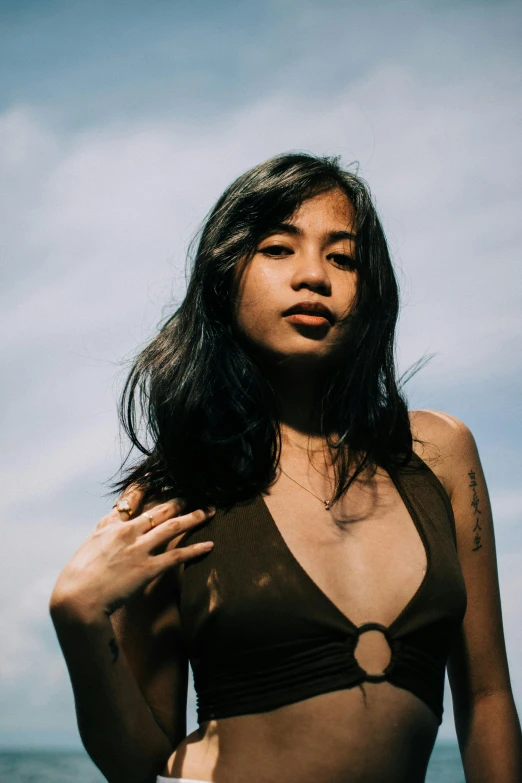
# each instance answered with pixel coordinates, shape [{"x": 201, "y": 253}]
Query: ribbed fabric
[{"x": 260, "y": 633}]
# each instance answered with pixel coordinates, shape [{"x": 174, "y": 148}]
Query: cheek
[
  {"x": 256, "y": 302},
  {"x": 347, "y": 288}
]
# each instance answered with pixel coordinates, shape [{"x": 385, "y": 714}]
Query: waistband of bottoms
[{"x": 161, "y": 779}]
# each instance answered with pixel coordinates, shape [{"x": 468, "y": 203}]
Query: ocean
[{"x": 52, "y": 766}]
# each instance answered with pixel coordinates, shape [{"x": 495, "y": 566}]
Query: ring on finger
[
  {"x": 150, "y": 518},
  {"x": 123, "y": 506}
]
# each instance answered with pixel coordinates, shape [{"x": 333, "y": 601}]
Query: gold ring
[
  {"x": 151, "y": 519},
  {"x": 123, "y": 506}
]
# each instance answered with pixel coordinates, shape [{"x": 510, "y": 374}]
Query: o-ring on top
[{"x": 261, "y": 634}]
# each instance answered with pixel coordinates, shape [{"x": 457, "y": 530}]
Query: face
[{"x": 301, "y": 283}]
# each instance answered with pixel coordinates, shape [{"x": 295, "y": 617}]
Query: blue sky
[{"x": 120, "y": 124}]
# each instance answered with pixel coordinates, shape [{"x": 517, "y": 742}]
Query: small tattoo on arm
[
  {"x": 115, "y": 650},
  {"x": 475, "y": 501}
]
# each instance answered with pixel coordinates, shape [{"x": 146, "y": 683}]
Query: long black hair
[{"x": 197, "y": 405}]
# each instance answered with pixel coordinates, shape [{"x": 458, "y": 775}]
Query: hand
[{"x": 124, "y": 554}]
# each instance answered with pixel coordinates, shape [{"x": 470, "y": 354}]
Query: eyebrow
[{"x": 289, "y": 228}]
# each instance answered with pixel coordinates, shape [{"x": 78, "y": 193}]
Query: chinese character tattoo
[{"x": 475, "y": 502}]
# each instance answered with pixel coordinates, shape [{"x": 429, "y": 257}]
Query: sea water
[{"x": 53, "y": 766}]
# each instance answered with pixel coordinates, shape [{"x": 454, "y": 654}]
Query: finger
[
  {"x": 156, "y": 535},
  {"x": 157, "y": 514},
  {"x": 132, "y": 497},
  {"x": 181, "y": 555},
  {"x": 178, "y": 506},
  {"x": 129, "y": 503}
]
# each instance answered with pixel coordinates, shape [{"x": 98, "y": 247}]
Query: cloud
[
  {"x": 121, "y": 201},
  {"x": 95, "y": 225}
]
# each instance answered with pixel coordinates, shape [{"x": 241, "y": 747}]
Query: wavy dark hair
[{"x": 198, "y": 406}]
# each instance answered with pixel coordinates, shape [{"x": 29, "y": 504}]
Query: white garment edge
[{"x": 161, "y": 779}]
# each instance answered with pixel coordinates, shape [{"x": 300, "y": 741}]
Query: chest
[
  {"x": 366, "y": 554},
  {"x": 285, "y": 574}
]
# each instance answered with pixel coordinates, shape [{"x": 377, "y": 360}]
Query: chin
[
  {"x": 304, "y": 358},
  {"x": 300, "y": 352}
]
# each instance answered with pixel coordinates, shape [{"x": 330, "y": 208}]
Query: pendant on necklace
[{"x": 327, "y": 504}]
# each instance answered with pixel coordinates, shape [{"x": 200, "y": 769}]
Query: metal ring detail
[{"x": 123, "y": 507}]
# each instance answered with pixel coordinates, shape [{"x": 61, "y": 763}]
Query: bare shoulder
[
  {"x": 478, "y": 663},
  {"x": 444, "y": 442}
]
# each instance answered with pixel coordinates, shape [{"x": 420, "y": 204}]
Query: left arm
[{"x": 486, "y": 720}]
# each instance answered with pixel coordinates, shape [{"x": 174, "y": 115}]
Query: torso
[{"x": 366, "y": 555}]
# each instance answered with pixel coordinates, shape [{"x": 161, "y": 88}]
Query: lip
[{"x": 313, "y": 313}]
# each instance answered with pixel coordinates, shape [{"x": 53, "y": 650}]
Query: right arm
[{"x": 114, "y": 610}]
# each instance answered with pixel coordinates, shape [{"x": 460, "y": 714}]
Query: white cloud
[
  {"x": 118, "y": 202},
  {"x": 96, "y": 225},
  {"x": 33, "y": 678},
  {"x": 507, "y": 507}
]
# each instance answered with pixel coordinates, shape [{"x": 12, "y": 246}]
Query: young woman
[{"x": 317, "y": 553}]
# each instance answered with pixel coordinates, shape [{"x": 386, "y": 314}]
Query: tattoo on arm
[
  {"x": 475, "y": 502},
  {"x": 115, "y": 650}
]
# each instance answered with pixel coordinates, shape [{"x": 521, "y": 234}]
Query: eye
[
  {"x": 274, "y": 250},
  {"x": 344, "y": 260}
]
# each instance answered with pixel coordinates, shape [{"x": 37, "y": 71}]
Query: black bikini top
[{"x": 261, "y": 634}]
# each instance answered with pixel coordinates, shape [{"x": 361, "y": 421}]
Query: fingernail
[{"x": 206, "y": 545}]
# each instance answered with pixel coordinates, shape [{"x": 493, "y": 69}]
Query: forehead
[{"x": 332, "y": 207}]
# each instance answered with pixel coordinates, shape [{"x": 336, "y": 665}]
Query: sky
[{"x": 120, "y": 125}]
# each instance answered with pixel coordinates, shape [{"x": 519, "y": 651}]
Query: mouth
[{"x": 309, "y": 314}]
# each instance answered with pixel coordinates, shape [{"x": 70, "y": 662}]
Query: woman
[{"x": 320, "y": 603}]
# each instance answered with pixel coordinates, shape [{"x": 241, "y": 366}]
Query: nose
[{"x": 311, "y": 272}]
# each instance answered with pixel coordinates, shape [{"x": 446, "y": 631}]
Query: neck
[
  {"x": 296, "y": 393},
  {"x": 299, "y": 420}
]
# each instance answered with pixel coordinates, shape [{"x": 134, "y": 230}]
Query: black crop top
[{"x": 261, "y": 634}]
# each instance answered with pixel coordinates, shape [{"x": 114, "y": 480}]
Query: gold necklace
[{"x": 326, "y": 503}]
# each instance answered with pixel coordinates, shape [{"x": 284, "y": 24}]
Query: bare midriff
[{"x": 382, "y": 735}]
